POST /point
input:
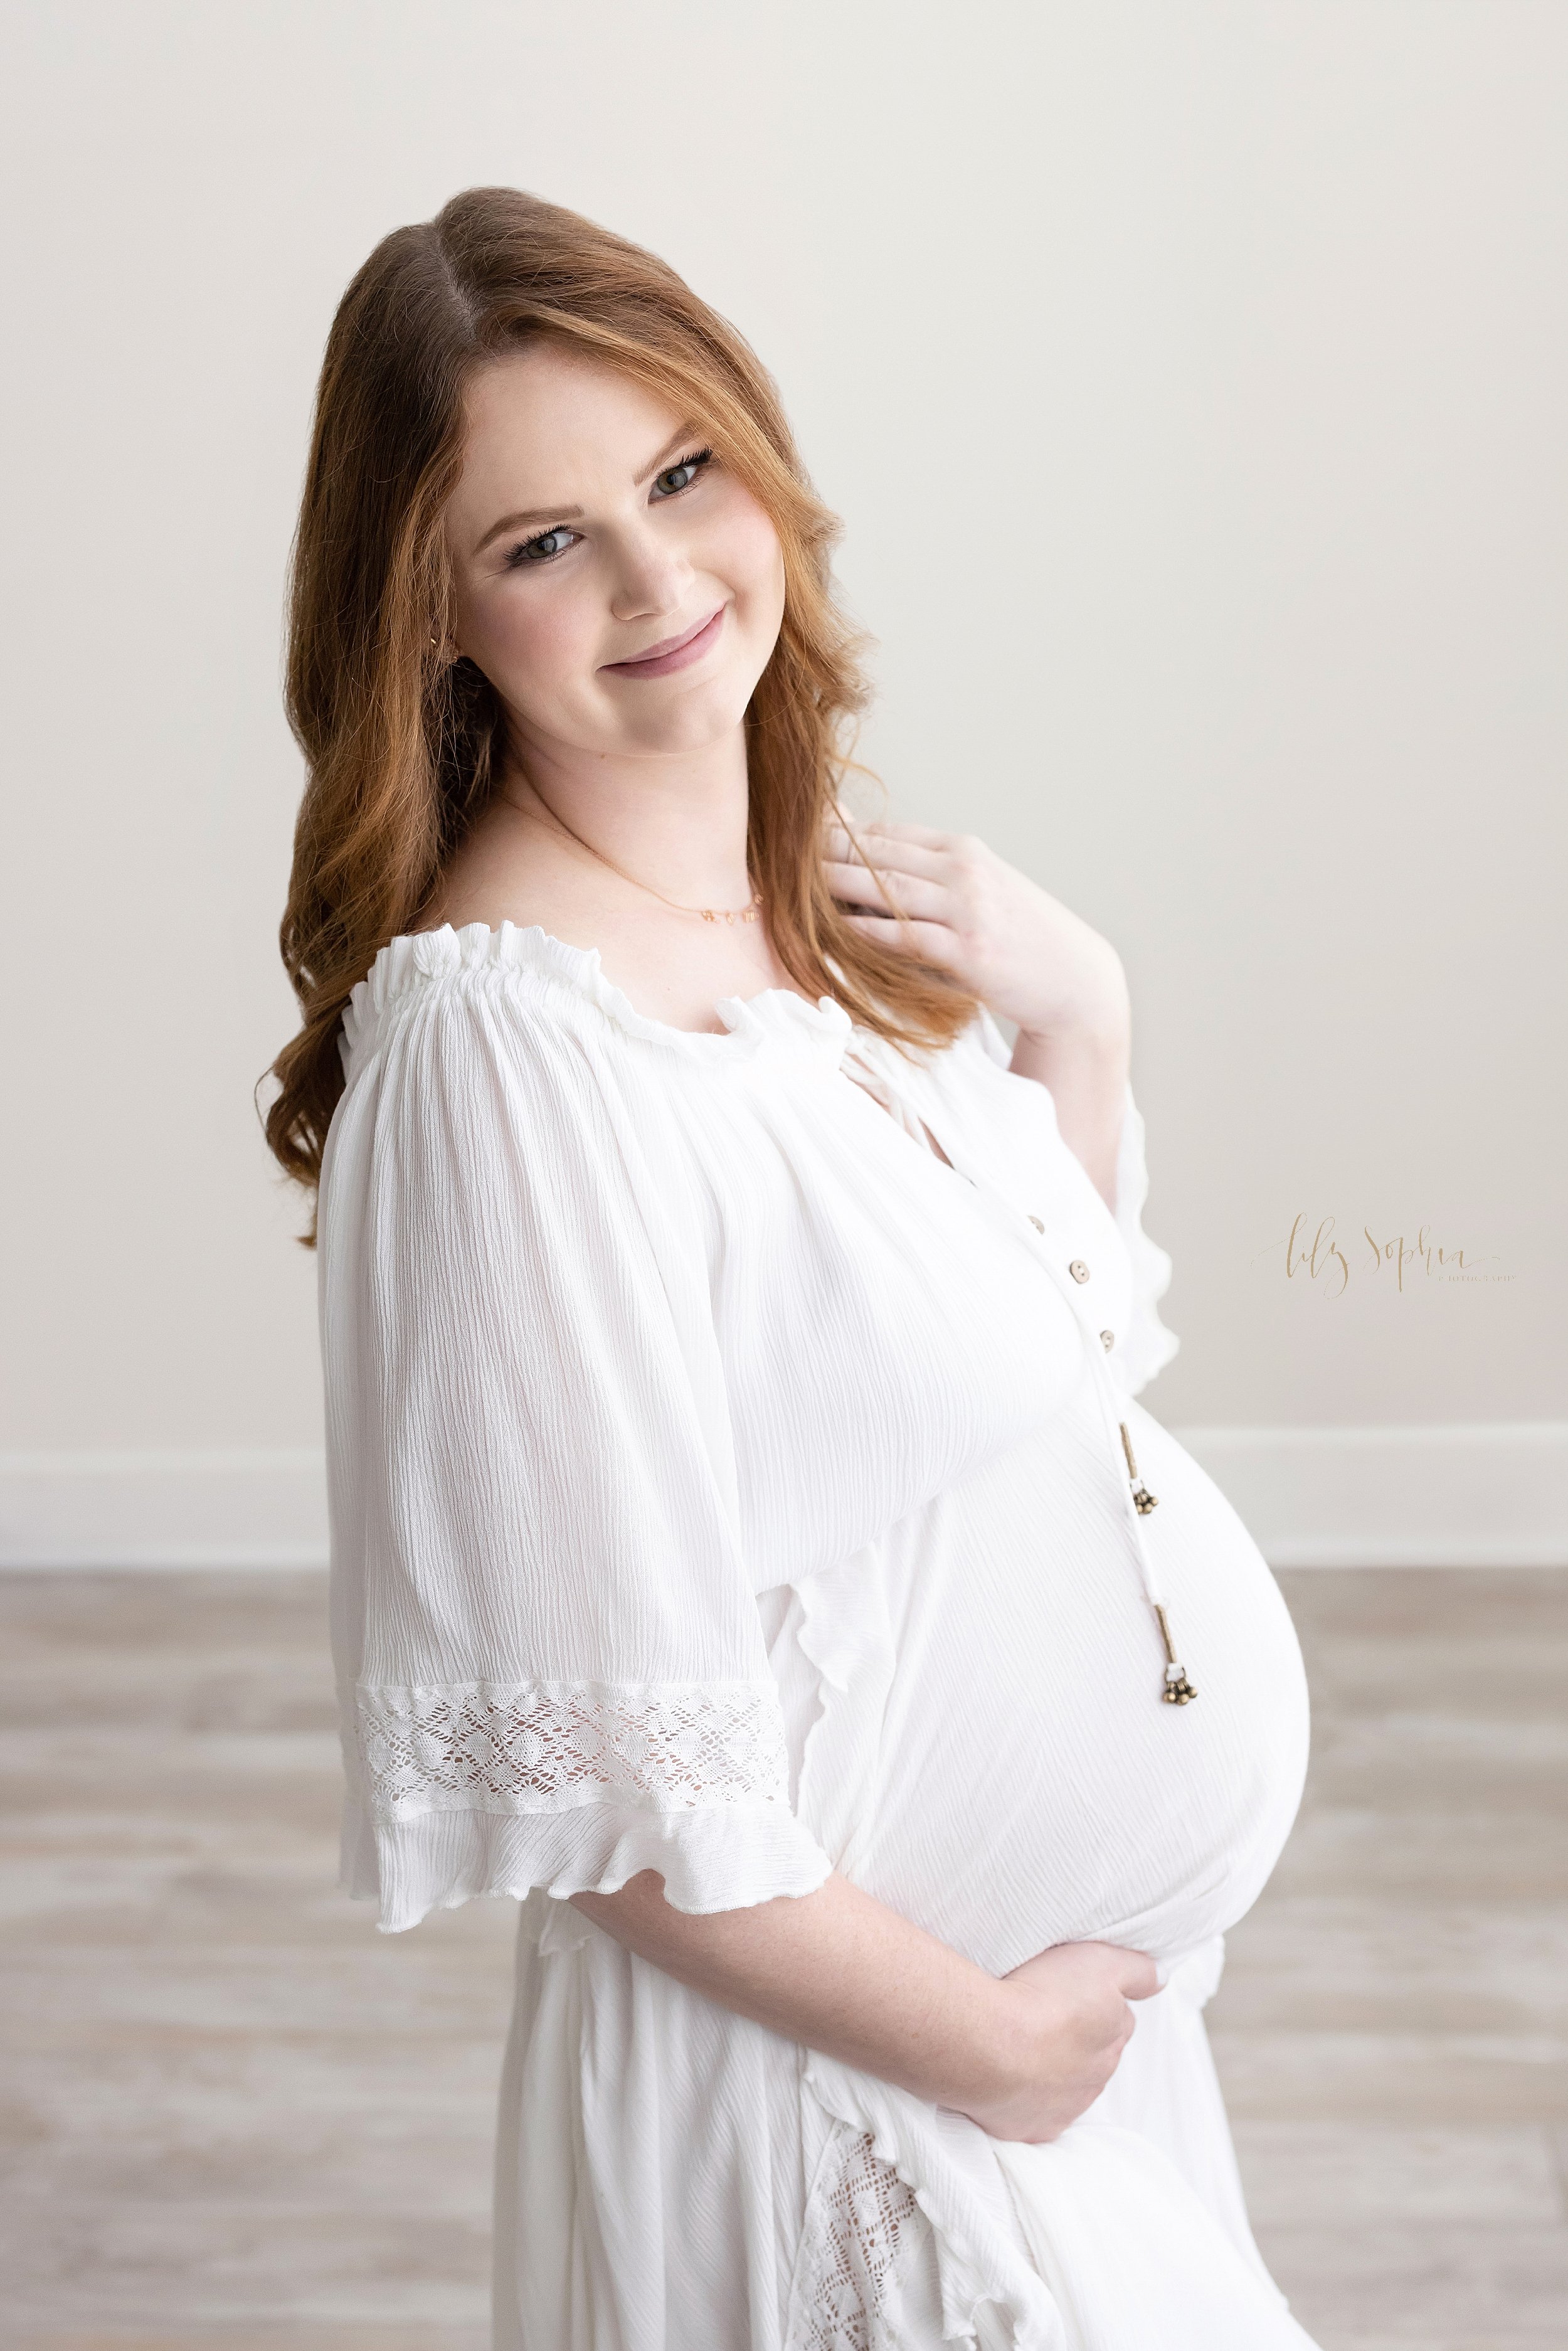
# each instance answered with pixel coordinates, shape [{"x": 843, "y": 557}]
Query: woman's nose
[{"x": 650, "y": 578}]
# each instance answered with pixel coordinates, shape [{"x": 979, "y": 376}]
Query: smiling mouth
[{"x": 675, "y": 653}]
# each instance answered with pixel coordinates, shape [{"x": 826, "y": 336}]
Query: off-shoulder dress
[{"x": 727, "y": 1482}]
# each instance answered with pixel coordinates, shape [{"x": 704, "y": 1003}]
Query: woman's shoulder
[
  {"x": 535, "y": 985},
  {"x": 484, "y": 1064},
  {"x": 499, "y": 931}
]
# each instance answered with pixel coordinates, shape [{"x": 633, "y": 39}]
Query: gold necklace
[{"x": 709, "y": 913}]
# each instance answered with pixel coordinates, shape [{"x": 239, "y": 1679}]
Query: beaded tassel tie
[{"x": 1179, "y": 1690}]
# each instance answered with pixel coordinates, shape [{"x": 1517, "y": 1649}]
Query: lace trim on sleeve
[{"x": 550, "y": 1747}]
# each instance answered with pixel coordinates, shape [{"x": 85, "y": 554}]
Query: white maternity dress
[{"x": 723, "y": 1484}]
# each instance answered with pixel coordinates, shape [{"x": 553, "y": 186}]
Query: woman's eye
[
  {"x": 540, "y": 549},
  {"x": 675, "y": 478}
]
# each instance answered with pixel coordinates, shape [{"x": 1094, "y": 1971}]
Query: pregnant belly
[{"x": 1030, "y": 1785}]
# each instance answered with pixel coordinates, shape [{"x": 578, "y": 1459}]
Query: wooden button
[
  {"x": 1036, "y": 1223},
  {"x": 1078, "y": 1269},
  {"x": 1107, "y": 1340}
]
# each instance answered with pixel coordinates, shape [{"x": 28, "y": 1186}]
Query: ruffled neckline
[{"x": 421, "y": 959}]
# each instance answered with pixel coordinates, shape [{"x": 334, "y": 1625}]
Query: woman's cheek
[
  {"x": 543, "y": 655},
  {"x": 745, "y": 547},
  {"x": 752, "y": 563}
]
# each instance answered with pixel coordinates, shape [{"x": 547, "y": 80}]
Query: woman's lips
[{"x": 676, "y": 653}]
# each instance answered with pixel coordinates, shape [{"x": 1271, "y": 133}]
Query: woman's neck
[{"x": 676, "y": 821}]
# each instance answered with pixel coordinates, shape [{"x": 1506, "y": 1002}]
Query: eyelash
[
  {"x": 698, "y": 457},
  {"x": 519, "y": 558}
]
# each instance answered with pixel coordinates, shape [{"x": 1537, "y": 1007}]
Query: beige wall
[{"x": 1191, "y": 379}]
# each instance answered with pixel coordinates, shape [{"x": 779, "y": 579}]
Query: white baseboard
[
  {"x": 1492, "y": 1495},
  {"x": 163, "y": 1510},
  {"x": 1478, "y": 1494}
]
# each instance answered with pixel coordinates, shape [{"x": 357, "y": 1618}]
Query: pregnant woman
[{"x": 747, "y": 1553}]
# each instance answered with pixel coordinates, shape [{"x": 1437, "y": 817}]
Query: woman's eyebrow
[
  {"x": 520, "y": 521},
  {"x": 677, "y": 440}
]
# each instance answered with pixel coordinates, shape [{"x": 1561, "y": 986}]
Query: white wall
[{"x": 1191, "y": 379}]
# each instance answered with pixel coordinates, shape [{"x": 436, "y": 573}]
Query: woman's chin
[{"x": 673, "y": 725}]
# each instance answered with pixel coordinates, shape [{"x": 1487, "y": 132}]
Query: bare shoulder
[{"x": 510, "y": 873}]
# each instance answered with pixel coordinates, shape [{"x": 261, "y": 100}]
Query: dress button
[
  {"x": 1036, "y": 1223},
  {"x": 1078, "y": 1269},
  {"x": 1107, "y": 1340}
]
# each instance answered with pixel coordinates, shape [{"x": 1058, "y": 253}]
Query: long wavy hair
[{"x": 404, "y": 746}]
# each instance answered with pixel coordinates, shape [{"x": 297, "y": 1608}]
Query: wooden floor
[
  {"x": 233, "y": 2117},
  {"x": 1392, "y": 2028}
]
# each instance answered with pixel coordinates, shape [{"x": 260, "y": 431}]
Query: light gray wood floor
[
  {"x": 1392, "y": 2028},
  {"x": 233, "y": 2117}
]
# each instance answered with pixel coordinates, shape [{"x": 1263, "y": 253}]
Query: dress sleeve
[{"x": 551, "y": 1665}]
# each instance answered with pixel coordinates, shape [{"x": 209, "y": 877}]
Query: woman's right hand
[{"x": 1068, "y": 2022}]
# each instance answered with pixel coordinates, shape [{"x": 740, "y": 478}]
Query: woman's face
[{"x": 619, "y": 589}]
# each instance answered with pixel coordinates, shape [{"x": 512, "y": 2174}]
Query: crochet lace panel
[
  {"x": 550, "y": 1747},
  {"x": 851, "y": 2243}
]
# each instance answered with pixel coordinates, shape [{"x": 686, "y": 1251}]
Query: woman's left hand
[{"x": 1020, "y": 950}]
